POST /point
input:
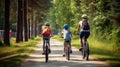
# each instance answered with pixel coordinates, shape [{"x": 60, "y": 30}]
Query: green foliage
[
  {"x": 63, "y": 11},
  {"x": 1, "y": 44},
  {"x": 32, "y": 37},
  {"x": 103, "y": 16},
  {"x": 104, "y": 20},
  {"x": 58, "y": 37}
]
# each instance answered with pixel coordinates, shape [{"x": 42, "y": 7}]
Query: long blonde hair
[{"x": 84, "y": 19}]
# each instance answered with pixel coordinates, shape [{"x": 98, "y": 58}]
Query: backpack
[
  {"x": 85, "y": 26},
  {"x": 46, "y": 32}
]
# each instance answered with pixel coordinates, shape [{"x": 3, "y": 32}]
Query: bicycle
[
  {"x": 85, "y": 50},
  {"x": 67, "y": 50},
  {"x": 46, "y": 50}
]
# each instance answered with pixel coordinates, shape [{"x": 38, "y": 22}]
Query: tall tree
[
  {"x": 25, "y": 20},
  {"x": 22, "y": 20},
  {"x": 2, "y": 3},
  {"x": 6, "y": 25},
  {"x": 19, "y": 22},
  {"x": 29, "y": 28}
]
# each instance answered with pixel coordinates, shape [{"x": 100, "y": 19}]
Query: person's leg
[
  {"x": 64, "y": 48},
  {"x": 87, "y": 34},
  {"x": 43, "y": 45},
  {"x": 48, "y": 39},
  {"x": 81, "y": 36},
  {"x": 81, "y": 42},
  {"x": 70, "y": 43},
  {"x": 70, "y": 46}
]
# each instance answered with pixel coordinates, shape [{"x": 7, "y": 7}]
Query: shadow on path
[{"x": 36, "y": 59}]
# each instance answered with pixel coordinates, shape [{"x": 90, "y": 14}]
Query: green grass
[
  {"x": 13, "y": 55},
  {"x": 104, "y": 51},
  {"x": 57, "y": 37}
]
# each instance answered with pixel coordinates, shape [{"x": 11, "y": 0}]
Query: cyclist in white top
[
  {"x": 83, "y": 28},
  {"x": 67, "y": 36}
]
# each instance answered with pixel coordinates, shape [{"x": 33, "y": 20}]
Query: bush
[
  {"x": 32, "y": 37},
  {"x": 1, "y": 44}
]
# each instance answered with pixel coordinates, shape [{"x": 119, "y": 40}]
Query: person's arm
[
  {"x": 41, "y": 33},
  {"x": 62, "y": 33},
  {"x": 78, "y": 29},
  {"x": 70, "y": 34},
  {"x": 89, "y": 25},
  {"x": 51, "y": 34}
]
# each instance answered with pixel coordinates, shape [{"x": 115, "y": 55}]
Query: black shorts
[{"x": 84, "y": 33}]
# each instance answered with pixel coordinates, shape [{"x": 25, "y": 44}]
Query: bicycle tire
[
  {"x": 87, "y": 51},
  {"x": 46, "y": 53},
  {"x": 68, "y": 53},
  {"x": 83, "y": 52}
]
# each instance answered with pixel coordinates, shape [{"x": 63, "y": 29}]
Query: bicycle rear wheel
[
  {"x": 87, "y": 51},
  {"x": 83, "y": 53},
  {"x": 68, "y": 53},
  {"x": 46, "y": 53}
]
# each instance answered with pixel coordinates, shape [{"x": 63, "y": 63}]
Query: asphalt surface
[{"x": 36, "y": 59}]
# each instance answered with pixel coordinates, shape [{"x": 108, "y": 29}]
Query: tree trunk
[
  {"x": 35, "y": 28},
  {"x": 22, "y": 21},
  {"x": 19, "y": 22},
  {"x": 25, "y": 21},
  {"x": 32, "y": 25},
  {"x": 29, "y": 28},
  {"x": 6, "y": 25}
]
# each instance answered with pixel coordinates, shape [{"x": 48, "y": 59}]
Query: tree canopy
[{"x": 103, "y": 16}]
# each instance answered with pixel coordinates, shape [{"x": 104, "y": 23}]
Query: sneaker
[
  {"x": 49, "y": 50},
  {"x": 70, "y": 51},
  {"x": 80, "y": 49},
  {"x": 63, "y": 55},
  {"x": 43, "y": 53}
]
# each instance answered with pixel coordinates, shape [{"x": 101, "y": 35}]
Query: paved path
[{"x": 56, "y": 59}]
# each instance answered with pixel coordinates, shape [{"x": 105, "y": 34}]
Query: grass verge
[
  {"x": 99, "y": 50},
  {"x": 57, "y": 37},
  {"x": 103, "y": 51},
  {"x": 13, "y": 55}
]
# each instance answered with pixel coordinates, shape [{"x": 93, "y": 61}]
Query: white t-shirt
[
  {"x": 80, "y": 23},
  {"x": 66, "y": 34}
]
